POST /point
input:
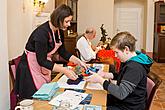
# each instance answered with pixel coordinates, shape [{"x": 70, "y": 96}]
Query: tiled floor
[{"x": 159, "y": 99}]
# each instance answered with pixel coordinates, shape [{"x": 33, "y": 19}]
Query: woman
[{"x": 35, "y": 66}]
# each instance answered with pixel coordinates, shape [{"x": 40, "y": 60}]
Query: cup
[{"x": 25, "y": 105}]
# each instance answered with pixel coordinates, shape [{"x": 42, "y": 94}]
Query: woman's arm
[
  {"x": 69, "y": 73},
  {"x": 77, "y": 61}
]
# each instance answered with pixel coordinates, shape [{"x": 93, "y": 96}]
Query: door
[{"x": 129, "y": 19}]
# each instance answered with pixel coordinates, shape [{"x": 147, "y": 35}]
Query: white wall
[
  {"x": 20, "y": 24},
  {"x": 4, "y": 76},
  {"x": 95, "y": 13},
  {"x": 150, "y": 26}
]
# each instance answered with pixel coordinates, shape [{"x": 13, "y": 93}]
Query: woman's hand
[
  {"x": 76, "y": 60},
  {"x": 68, "y": 72},
  {"x": 71, "y": 74},
  {"x": 83, "y": 64}
]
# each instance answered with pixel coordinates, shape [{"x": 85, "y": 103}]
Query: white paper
[
  {"x": 62, "y": 82},
  {"x": 92, "y": 107},
  {"x": 69, "y": 96},
  {"x": 98, "y": 66},
  {"x": 94, "y": 86}
]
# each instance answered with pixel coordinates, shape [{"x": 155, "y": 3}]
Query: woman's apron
[{"x": 40, "y": 75}]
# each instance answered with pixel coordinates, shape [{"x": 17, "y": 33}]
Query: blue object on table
[
  {"x": 87, "y": 100},
  {"x": 77, "y": 90},
  {"x": 47, "y": 91},
  {"x": 94, "y": 69}
]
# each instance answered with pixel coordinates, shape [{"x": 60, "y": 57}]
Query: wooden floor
[{"x": 159, "y": 99}]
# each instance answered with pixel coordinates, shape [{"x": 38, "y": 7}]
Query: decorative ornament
[{"x": 104, "y": 34}]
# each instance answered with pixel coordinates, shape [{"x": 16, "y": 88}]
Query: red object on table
[
  {"x": 71, "y": 64},
  {"x": 108, "y": 56}
]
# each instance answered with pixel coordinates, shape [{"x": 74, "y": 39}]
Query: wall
[
  {"x": 95, "y": 13},
  {"x": 145, "y": 26},
  {"x": 20, "y": 21},
  {"x": 19, "y": 25},
  {"x": 150, "y": 26},
  {"x": 4, "y": 76}
]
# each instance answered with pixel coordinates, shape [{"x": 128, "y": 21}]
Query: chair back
[
  {"x": 153, "y": 82},
  {"x": 13, "y": 64},
  {"x": 12, "y": 71},
  {"x": 77, "y": 53}
]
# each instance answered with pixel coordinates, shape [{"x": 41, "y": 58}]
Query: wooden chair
[
  {"x": 12, "y": 71},
  {"x": 153, "y": 82},
  {"x": 77, "y": 53}
]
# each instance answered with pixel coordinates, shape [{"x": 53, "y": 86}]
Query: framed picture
[{"x": 162, "y": 28}]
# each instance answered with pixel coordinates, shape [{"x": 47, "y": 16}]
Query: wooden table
[{"x": 99, "y": 97}]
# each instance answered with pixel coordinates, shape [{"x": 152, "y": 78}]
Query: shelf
[
  {"x": 160, "y": 23},
  {"x": 159, "y": 32},
  {"x": 163, "y": 13}
]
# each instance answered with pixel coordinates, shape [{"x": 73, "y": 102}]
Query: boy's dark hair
[
  {"x": 59, "y": 14},
  {"x": 123, "y": 39}
]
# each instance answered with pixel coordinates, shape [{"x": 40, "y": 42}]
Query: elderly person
[{"x": 87, "y": 50}]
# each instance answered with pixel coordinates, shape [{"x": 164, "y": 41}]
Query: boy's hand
[
  {"x": 105, "y": 74},
  {"x": 95, "y": 78}
]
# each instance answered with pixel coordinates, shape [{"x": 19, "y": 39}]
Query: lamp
[{"x": 39, "y": 5}]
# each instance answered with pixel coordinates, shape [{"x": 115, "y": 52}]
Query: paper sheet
[
  {"x": 79, "y": 107},
  {"x": 94, "y": 86},
  {"x": 92, "y": 107},
  {"x": 73, "y": 99},
  {"x": 62, "y": 82}
]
